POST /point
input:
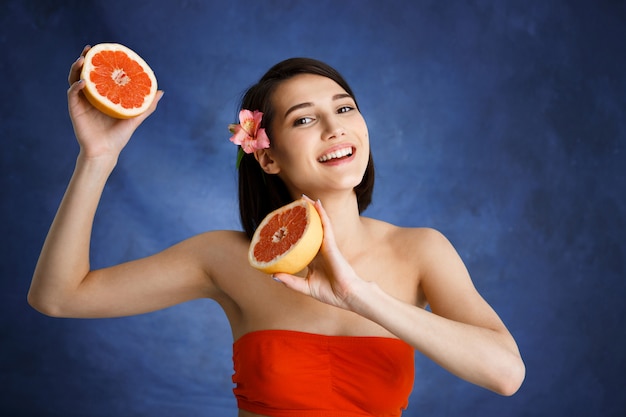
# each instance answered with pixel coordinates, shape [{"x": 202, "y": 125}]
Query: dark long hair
[{"x": 261, "y": 193}]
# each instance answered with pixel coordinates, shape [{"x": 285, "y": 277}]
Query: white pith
[
  {"x": 120, "y": 77},
  {"x": 340, "y": 153}
]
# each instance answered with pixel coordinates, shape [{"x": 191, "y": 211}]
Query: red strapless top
[{"x": 284, "y": 373}]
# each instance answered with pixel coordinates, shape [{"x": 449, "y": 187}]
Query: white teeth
[{"x": 336, "y": 154}]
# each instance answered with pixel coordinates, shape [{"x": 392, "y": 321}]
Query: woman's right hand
[{"x": 98, "y": 134}]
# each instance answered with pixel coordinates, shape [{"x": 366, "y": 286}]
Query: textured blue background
[{"x": 501, "y": 123}]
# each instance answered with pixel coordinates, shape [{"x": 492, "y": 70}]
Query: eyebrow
[{"x": 309, "y": 104}]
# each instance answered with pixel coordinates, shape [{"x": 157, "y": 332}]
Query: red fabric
[{"x": 285, "y": 373}]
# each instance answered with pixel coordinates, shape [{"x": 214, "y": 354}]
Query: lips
[{"x": 336, "y": 154}]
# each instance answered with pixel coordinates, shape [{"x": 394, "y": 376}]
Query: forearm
[
  {"x": 483, "y": 356},
  {"x": 64, "y": 259}
]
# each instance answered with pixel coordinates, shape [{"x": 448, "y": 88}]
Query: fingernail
[{"x": 276, "y": 279}]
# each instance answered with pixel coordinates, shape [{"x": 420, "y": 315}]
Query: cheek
[
  {"x": 366, "y": 136},
  {"x": 278, "y": 144},
  {"x": 362, "y": 127},
  {"x": 288, "y": 153}
]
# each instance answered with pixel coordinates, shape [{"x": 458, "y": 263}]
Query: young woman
[{"x": 338, "y": 338}]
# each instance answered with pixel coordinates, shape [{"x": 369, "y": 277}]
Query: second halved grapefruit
[
  {"x": 287, "y": 239},
  {"x": 118, "y": 82}
]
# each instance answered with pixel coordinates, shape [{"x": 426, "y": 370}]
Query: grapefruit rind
[
  {"x": 104, "y": 104},
  {"x": 299, "y": 255}
]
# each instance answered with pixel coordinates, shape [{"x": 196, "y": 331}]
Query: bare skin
[{"x": 348, "y": 291}]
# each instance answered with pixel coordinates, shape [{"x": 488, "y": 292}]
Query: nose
[{"x": 333, "y": 128}]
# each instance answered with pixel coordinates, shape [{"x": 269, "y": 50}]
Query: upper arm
[
  {"x": 448, "y": 288},
  {"x": 177, "y": 274}
]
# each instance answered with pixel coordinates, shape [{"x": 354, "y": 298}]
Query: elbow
[
  {"x": 511, "y": 380},
  {"x": 45, "y": 307}
]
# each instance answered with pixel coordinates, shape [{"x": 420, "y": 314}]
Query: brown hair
[{"x": 260, "y": 193}]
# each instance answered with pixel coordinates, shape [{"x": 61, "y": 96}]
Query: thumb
[{"x": 291, "y": 281}]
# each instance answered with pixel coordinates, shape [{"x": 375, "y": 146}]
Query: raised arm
[{"x": 63, "y": 284}]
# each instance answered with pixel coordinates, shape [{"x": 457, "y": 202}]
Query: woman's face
[{"x": 319, "y": 141}]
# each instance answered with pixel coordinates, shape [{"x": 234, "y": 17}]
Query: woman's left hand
[{"x": 330, "y": 277}]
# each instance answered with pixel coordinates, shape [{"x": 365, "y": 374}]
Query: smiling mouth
[{"x": 338, "y": 154}]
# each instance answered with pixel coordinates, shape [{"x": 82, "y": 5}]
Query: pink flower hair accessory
[{"x": 248, "y": 134}]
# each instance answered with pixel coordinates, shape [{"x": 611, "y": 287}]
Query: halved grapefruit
[
  {"x": 287, "y": 239},
  {"x": 118, "y": 82}
]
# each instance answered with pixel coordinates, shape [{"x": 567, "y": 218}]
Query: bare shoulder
[
  {"x": 431, "y": 252},
  {"x": 428, "y": 250},
  {"x": 218, "y": 251},
  {"x": 222, "y": 255},
  {"x": 409, "y": 240},
  {"x": 405, "y": 253}
]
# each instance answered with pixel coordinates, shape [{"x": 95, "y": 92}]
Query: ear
[{"x": 266, "y": 162}]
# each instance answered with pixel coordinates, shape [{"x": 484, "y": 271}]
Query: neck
[{"x": 343, "y": 211}]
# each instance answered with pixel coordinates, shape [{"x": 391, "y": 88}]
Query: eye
[
  {"x": 345, "y": 109},
  {"x": 302, "y": 121}
]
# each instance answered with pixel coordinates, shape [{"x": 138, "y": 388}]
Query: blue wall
[{"x": 501, "y": 123}]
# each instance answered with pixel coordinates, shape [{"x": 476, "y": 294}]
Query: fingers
[
  {"x": 77, "y": 66},
  {"x": 72, "y": 94},
  {"x": 75, "y": 87},
  {"x": 318, "y": 206},
  {"x": 329, "y": 236},
  {"x": 155, "y": 102},
  {"x": 75, "y": 69}
]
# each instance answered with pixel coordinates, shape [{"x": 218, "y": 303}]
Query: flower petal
[
  {"x": 257, "y": 116},
  {"x": 245, "y": 114},
  {"x": 262, "y": 141},
  {"x": 248, "y": 144},
  {"x": 239, "y": 137},
  {"x": 246, "y": 121}
]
